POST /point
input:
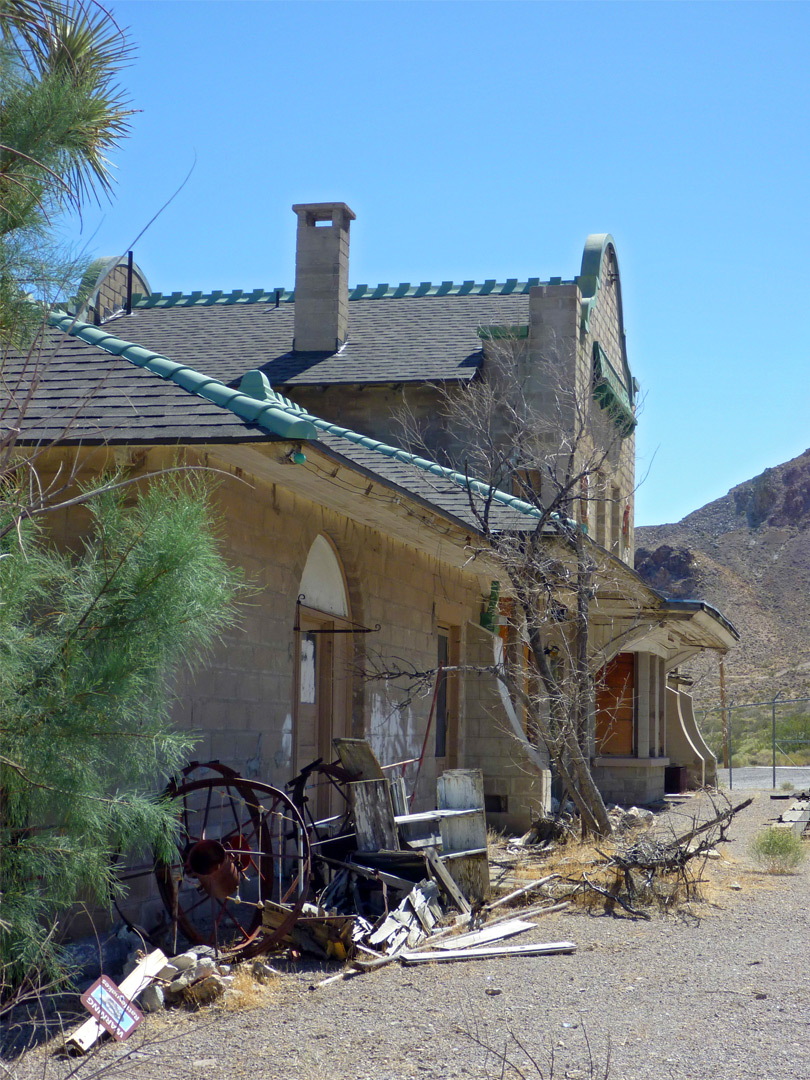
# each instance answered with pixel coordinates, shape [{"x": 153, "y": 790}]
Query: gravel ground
[{"x": 721, "y": 991}]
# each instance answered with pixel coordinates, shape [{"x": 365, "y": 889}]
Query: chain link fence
[{"x": 774, "y": 733}]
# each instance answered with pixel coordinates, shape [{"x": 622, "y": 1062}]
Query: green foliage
[
  {"x": 752, "y": 734},
  {"x": 778, "y": 851},
  {"x": 61, "y": 114},
  {"x": 90, "y": 645}
]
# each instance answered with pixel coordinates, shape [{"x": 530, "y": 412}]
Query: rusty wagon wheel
[{"x": 241, "y": 844}]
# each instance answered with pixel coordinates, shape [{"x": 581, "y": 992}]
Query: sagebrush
[{"x": 778, "y": 851}]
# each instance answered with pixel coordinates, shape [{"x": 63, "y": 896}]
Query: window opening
[{"x": 309, "y": 666}]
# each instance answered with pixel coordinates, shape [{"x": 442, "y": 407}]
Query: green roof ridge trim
[
  {"x": 405, "y": 456},
  {"x": 499, "y": 333},
  {"x": 272, "y": 411},
  {"x": 266, "y": 415},
  {"x": 384, "y": 291}
]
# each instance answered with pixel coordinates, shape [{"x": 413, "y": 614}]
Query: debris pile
[
  {"x": 644, "y": 865},
  {"x": 408, "y": 884},
  {"x": 378, "y": 884},
  {"x": 256, "y": 874}
]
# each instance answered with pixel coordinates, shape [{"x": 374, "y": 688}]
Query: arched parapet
[
  {"x": 104, "y": 288},
  {"x": 595, "y": 268},
  {"x": 600, "y": 286}
]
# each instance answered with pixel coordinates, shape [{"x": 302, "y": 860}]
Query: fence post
[
  {"x": 773, "y": 736},
  {"x": 724, "y": 714}
]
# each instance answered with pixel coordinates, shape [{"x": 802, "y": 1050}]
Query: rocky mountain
[{"x": 748, "y": 554}]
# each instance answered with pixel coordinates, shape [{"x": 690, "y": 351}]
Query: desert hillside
[{"x": 748, "y": 554}]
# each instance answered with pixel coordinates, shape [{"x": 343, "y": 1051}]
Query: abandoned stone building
[{"x": 358, "y": 548}]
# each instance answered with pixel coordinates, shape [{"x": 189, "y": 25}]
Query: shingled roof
[
  {"x": 426, "y": 333},
  {"x": 94, "y": 387}
]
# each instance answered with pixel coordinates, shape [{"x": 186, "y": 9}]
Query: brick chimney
[{"x": 322, "y": 276}]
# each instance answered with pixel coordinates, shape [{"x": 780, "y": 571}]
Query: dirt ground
[{"x": 719, "y": 990}]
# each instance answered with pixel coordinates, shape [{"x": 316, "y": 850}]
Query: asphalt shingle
[
  {"x": 87, "y": 394},
  {"x": 393, "y": 340}
]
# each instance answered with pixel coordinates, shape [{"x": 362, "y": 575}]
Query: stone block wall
[
  {"x": 241, "y": 699},
  {"x": 630, "y": 781},
  {"x": 515, "y": 792},
  {"x": 619, "y": 480}
]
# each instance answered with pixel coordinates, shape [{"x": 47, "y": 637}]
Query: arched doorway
[{"x": 323, "y": 666}]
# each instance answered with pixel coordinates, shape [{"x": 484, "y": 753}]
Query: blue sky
[{"x": 487, "y": 140}]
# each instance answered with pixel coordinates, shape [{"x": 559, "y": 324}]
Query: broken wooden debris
[
  {"x": 446, "y": 880},
  {"x": 486, "y": 953},
  {"x": 85, "y": 1036},
  {"x": 393, "y": 881},
  {"x": 485, "y": 935},
  {"x": 327, "y": 936}
]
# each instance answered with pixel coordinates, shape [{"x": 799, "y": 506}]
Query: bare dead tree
[{"x": 534, "y": 430}]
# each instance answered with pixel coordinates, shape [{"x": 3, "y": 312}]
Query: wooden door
[
  {"x": 321, "y": 699},
  {"x": 446, "y": 706},
  {"x": 615, "y": 706}
]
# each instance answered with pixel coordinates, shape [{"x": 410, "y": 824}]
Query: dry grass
[
  {"x": 495, "y": 840},
  {"x": 580, "y": 864},
  {"x": 248, "y": 993}
]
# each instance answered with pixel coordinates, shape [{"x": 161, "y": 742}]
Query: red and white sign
[{"x": 111, "y": 1008}]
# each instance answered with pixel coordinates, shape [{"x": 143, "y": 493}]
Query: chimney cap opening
[{"x": 336, "y": 213}]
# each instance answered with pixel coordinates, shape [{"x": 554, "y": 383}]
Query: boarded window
[{"x": 614, "y": 706}]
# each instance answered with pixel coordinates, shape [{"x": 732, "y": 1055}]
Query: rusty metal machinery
[{"x": 241, "y": 843}]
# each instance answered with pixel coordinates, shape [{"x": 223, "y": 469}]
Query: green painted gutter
[{"x": 258, "y": 383}]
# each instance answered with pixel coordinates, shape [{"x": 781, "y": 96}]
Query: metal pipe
[
  {"x": 427, "y": 732},
  {"x": 300, "y": 836},
  {"x": 129, "y": 283},
  {"x": 279, "y": 857}
]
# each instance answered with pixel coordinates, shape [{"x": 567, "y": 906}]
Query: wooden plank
[
  {"x": 392, "y": 926},
  {"x": 483, "y": 937},
  {"x": 399, "y": 796},
  {"x": 405, "y": 864},
  {"x": 463, "y": 789},
  {"x": 434, "y": 815},
  {"x": 84, "y": 1037},
  {"x": 393, "y": 881},
  {"x": 551, "y": 948},
  {"x": 419, "y": 898},
  {"x": 445, "y": 879},
  {"x": 373, "y": 816},
  {"x": 358, "y": 759},
  {"x": 423, "y": 842}
]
